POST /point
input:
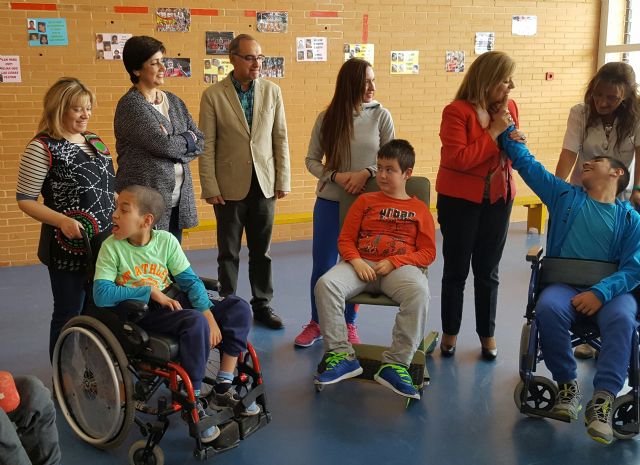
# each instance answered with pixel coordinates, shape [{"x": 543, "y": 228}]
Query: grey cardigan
[{"x": 148, "y": 145}]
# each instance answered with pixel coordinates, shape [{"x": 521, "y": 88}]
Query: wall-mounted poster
[
  {"x": 272, "y": 67},
  {"x": 177, "y": 67},
  {"x": 173, "y": 19},
  {"x": 216, "y": 69},
  {"x": 524, "y": 25},
  {"x": 405, "y": 62},
  {"x": 272, "y": 21},
  {"x": 217, "y": 43},
  {"x": 47, "y": 31},
  {"x": 485, "y": 42},
  {"x": 364, "y": 51},
  {"x": 109, "y": 45},
  {"x": 10, "y": 68},
  {"x": 454, "y": 61},
  {"x": 311, "y": 49}
]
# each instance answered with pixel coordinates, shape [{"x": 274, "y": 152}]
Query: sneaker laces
[
  {"x": 352, "y": 332},
  {"x": 567, "y": 393},
  {"x": 333, "y": 358},
  {"x": 401, "y": 371},
  {"x": 602, "y": 409},
  {"x": 311, "y": 329}
]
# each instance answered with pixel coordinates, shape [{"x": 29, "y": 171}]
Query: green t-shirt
[{"x": 136, "y": 266}]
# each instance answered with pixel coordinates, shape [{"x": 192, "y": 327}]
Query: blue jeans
[
  {"x": 68, "y": 289},
  {"x": 34, "y": 438},
  {"x": 326, "y": 229},
  {"x": 616, "y": 320}
]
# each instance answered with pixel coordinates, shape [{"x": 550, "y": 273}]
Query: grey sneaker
[
  {"x": 568, "y": 401},
  {"x": 230, "y": 399},
  {"x": 584, "y": 351},
  {"x": 597, "y": 417},
  {"x": 211, "y": 433}
]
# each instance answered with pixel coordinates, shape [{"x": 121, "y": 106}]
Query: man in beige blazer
[{"x": 244, "y": 168}]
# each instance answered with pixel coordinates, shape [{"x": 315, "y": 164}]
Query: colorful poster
[
  {"x": 364, "y": 51},
  {"x": 216, "y": 69},
  {"x": 272, "y": 67},
  {"x": 109, "y": 45},
  {"x": 217, "y": 43},
  {"x": 173, "y": 19},
  {"x": 10, "y": 68},
  {"x": 272, "y": 21},
  {"x": 311, "y": 49},
  {"x": 454, "y": 61},
  {"x": 405, "y": 62},
  {"x": 177, "y": 67},
  {"x": 47, "y": 31},
  {"x": 524, "y": 25},
  {"x": 485, "y": 42}
]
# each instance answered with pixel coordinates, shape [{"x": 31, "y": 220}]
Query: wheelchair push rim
[{"x": 92, "y": 382}]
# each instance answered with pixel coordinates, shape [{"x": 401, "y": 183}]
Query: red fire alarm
[{"x": 548, "y": 76}]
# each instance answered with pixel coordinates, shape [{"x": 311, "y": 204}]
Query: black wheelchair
[
  {"x": 108, "y": 372},
  {"x": 535, "y": 395}
]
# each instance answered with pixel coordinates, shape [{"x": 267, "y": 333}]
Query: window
[{"x": 620, "y": 33}]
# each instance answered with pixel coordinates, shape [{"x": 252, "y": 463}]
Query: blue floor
[{"x": 466, "y": 416}]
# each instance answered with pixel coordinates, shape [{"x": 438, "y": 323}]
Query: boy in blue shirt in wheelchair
[
  {"x": 587, "y": 223},
  {"x": 135, "y": 263}
]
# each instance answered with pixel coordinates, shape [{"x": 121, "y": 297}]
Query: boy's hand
[
  {"x": 586, "y": 303},
  {"x": 158, "y": 296},
  {"x": 363, "y": 270},
  {"x": 215, "y": 336},
  {"x": 383, "y": 267}
]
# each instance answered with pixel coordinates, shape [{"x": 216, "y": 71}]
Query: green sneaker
[
  {"x": 597, "y": 417},
  {"x": 398, "y": 379},
  {"x": 568, "y": 401}
]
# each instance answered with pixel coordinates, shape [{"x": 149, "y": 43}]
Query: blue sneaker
[
  {"x": 398, "y": 379},
  {"x": 336, "y": 366}
]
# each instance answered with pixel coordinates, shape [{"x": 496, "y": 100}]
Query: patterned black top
[{"x": 81, "y": 186}]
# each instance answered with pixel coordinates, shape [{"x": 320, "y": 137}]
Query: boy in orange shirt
[{"x": 386, "y": 241}]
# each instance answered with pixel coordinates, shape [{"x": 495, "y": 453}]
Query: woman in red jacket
[{"x": 475, "y": 193}]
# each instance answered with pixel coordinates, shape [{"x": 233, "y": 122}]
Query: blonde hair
[
  {"x": 61, "y": 96},
  {"x": 487, "y": 71}
]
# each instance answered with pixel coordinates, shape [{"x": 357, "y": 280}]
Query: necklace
[{"x": 608, "y": 127}]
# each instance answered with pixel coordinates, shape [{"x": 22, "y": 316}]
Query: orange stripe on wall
[
  {"x": 365, "y": 29},
  {"x": 250, "y": 12},
  {"x": 131, "y": 9},
  {"x": 34, "y": 6},
  {"x": 323, "y": 14},
  {"x": 204, "y": 11}
]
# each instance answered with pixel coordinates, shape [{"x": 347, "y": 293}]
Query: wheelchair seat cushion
[{"x": 162, "y": 348}]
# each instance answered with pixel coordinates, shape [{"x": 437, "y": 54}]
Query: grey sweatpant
[
  {"x": 406, "y": 285},
  {"x": 28, "y": 435}
]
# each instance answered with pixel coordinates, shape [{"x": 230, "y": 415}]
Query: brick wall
[{"x": 565, "y": 44}]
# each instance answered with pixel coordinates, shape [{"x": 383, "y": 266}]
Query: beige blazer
[{"x": 230, "y": 148}]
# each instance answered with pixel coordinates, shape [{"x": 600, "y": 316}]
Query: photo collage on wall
[
  {"x": 216, "y": 69},
  {"x": 177, "y": 67},
  {"x": 109, "y": 45},
  {"x": 47, "y": 31},
  {"x": 173, "y": 19}
]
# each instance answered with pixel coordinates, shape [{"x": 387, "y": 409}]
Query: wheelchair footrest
[
  {"x": 370, "y": 357},
  {"x": 251, "y": 424}
]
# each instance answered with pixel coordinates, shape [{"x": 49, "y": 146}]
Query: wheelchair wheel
[
  {"x": 624, "y": 413},
  {"x": 211, "y": 371},
  {"x": 136, "y": 452},
  {"x": 92, "y": 382},
  {"x": 541, "y": 396}
]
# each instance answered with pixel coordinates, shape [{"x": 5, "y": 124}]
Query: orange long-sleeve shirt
[{"x": 379, "y": 227}]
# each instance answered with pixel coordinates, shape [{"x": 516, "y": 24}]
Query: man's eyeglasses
[{"x": 251, "y": 58}]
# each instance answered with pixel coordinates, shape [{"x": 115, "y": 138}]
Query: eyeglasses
[{"x": 251, "y": 58}]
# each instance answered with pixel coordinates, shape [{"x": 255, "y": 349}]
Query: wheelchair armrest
[
  {"x": 211, "y": 284},
  {"x": 534, "y": 254},
  {"x": 131, "y": 310}
]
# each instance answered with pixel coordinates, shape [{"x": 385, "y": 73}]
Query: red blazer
[{"x": 469, "y": 154}]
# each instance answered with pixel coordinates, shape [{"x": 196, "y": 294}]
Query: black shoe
[
  {"x": 267, "y": 317},
  {"x": 489, "y": 354},
  {"x": 447, "y": 351}
]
